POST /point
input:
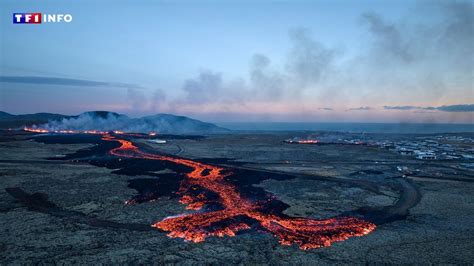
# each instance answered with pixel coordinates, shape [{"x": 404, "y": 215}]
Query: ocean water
[{"x": 401, "y": 128}]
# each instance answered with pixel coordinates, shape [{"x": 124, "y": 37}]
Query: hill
[{"x": 105, "y": 121}]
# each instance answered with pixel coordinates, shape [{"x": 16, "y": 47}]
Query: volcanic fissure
[{"x": 237, "y": 213}]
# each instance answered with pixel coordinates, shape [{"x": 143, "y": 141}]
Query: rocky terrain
[{"x": 64, "y": 211}]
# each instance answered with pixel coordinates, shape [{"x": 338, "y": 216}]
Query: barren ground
[{"x": 331, "y": 179}]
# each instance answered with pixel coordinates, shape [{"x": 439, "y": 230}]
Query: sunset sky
[{"x": 321, "y": 61}]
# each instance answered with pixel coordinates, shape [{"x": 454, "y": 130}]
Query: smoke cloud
[
  {"x": 404, "y": 64},
  {"x": 390, "y": 44},
  {"x": 307, "y": 63},
  {"x": 141, "y": 102}
]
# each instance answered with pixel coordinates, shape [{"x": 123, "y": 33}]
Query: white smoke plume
[{"x": 107, "y": 121}]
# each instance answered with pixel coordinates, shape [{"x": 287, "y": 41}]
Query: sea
[{"x": 395, "y": 128}]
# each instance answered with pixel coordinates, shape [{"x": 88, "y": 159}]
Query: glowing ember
[
  {"x": 97, "y": 132},
  {"x": 237, "y": 213},
  {"x": 302, "y": 141},
  {"x": 42, "y": 130},
  {"x": 35, "y": 130}
]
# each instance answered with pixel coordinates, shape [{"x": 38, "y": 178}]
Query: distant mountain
[
  {"x": 105, "y": 121},
  {"x": 5, "y": 115},
  {"x": 11, "y": 121}
]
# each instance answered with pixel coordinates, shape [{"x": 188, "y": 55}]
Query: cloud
[
  {"x": 62, "y": 81},
  {"x": 444, "y": 108},
  {"x": 457, "y": 108},
  {"x": 362, "y": 108},
  {"x": 326, "y": 109},
  {"x": 405, "y": 107}
]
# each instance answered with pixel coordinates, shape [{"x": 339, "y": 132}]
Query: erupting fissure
[
  {"x": 97, "y": 132},
  {"x": 237, "y": 213}
]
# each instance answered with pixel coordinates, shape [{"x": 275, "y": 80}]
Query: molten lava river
[{"x": 236, "y": 212}]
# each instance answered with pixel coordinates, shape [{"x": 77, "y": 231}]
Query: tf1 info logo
[{"x": 38, "y": 18}]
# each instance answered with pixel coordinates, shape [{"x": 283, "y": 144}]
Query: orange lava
[
  {"x": 238, "y": 211},
  {"x": 42, "y": 130},
  {"x": 35, "y": 130},
  {"x": 94, "y": 132}
]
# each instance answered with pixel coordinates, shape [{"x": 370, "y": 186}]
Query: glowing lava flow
[
  {"x": 94, "y": 132},
  {"x": 238, "y": 213},
  {"x": 42, "y": 130}
]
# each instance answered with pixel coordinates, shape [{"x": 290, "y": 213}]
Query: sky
[{"x": 247, "y": 61}]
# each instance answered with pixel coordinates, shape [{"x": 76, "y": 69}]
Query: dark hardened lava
[
  {"x": 164, "y": 184},
  {"x": 39, "y": 202}
]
